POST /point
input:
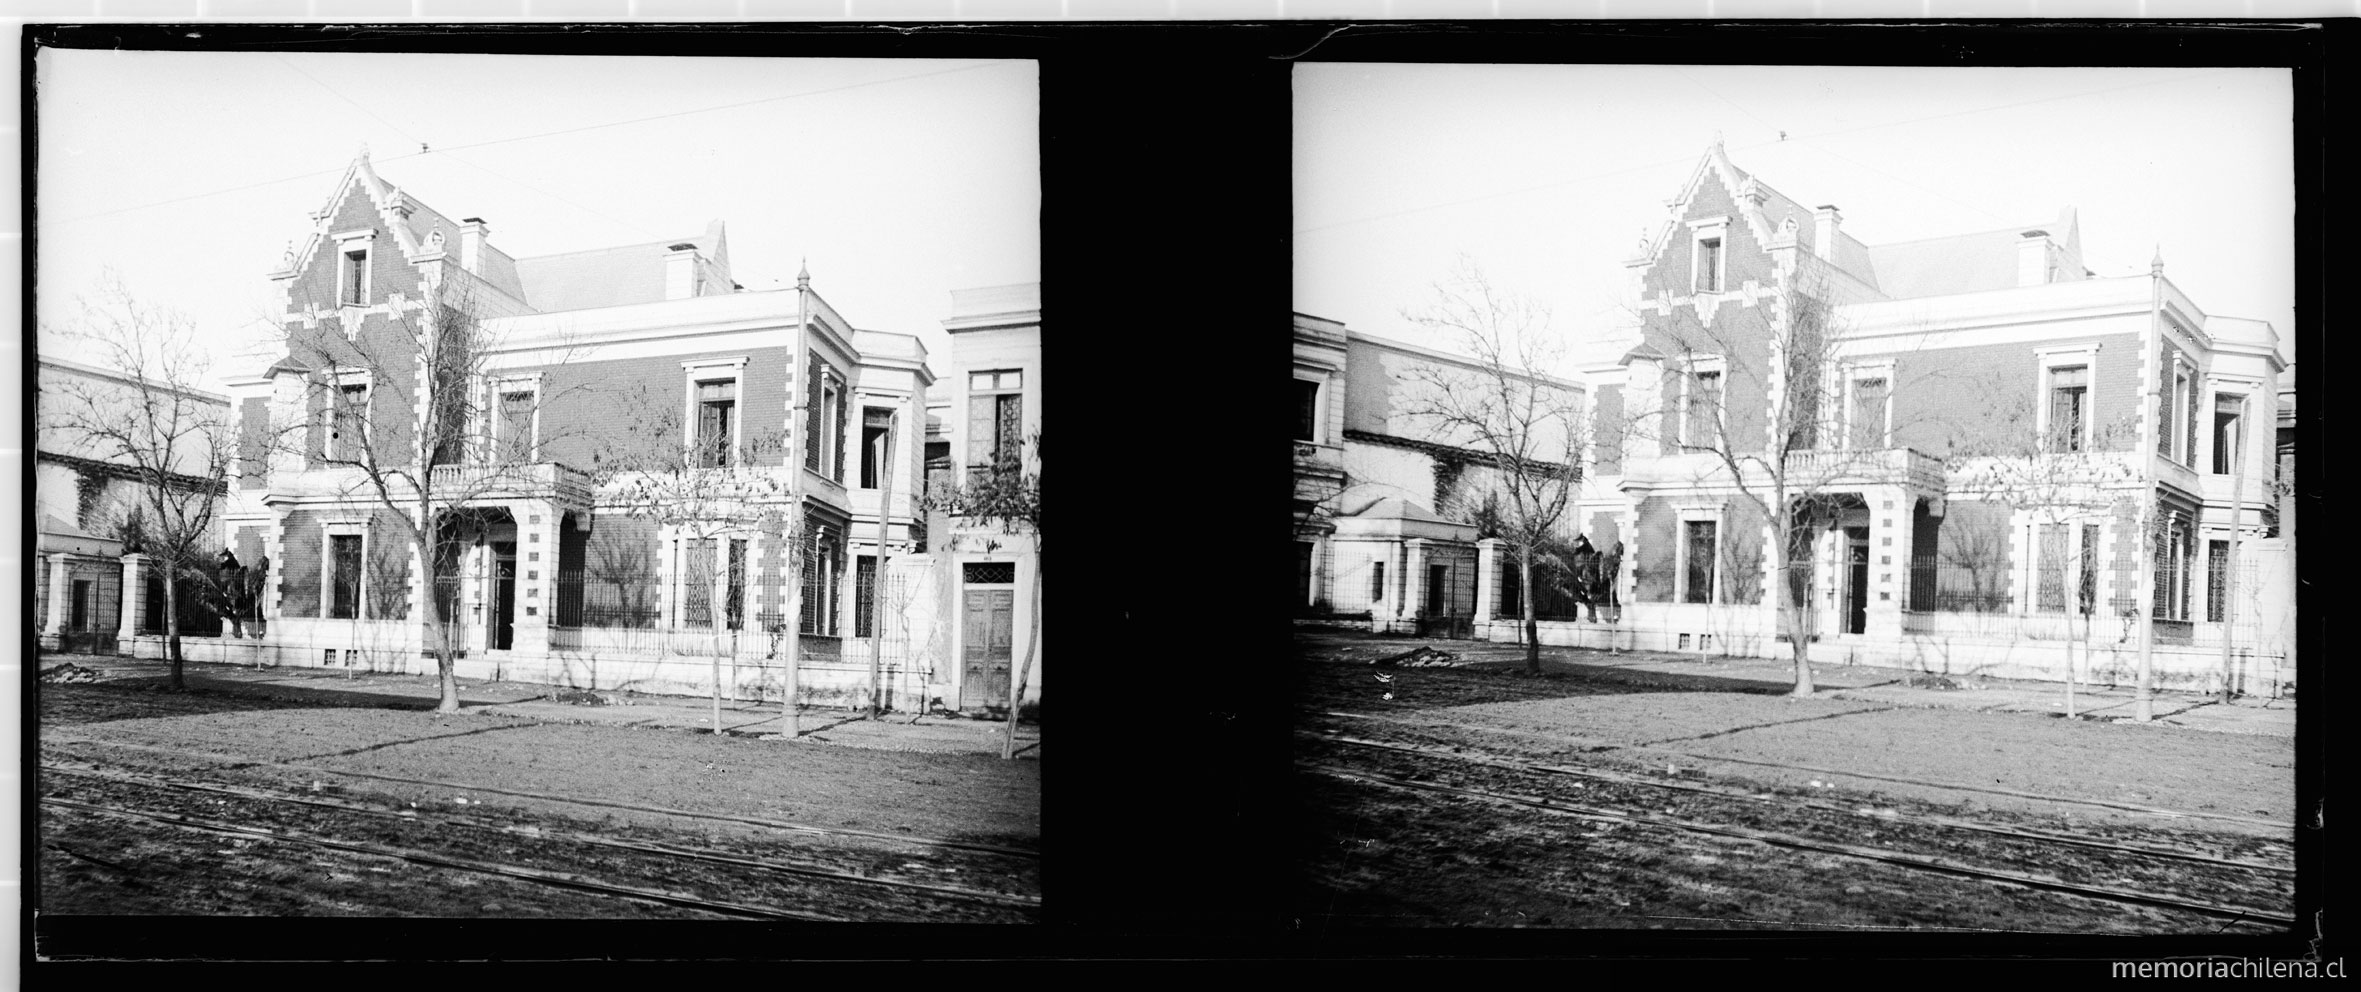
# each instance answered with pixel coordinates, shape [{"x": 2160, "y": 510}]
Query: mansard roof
[{"x": 1969, "y": 263}]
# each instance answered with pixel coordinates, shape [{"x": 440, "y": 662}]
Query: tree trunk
[
  {"x": 172, "y": 621},
  {"x": 716, "y": 615},
  {"x": 1016, "y": 688},
  {"x": 1532, "y": 616},
  {"x": 1799, "y": 638}
]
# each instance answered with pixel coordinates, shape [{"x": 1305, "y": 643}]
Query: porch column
[
  {"x": 1889, "y": 562},
  {"x": 61, "y": 588},
  {"x": 536, "y": 554},
  {"x": 1414, "y": 582},
  {"x": 135, "y": 599}
]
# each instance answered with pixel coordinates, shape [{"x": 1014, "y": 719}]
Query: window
[
  {"x": 2217, "y": 579},
  {"x": 717, "y": 409},
  {"x": 1701, "y": 414},
  {"x": 1697, "y": 557},
  {"x": 823, "y": 425},
  {"x": 2089, "y": 580},
  {"x": 348, "y": 421},
  {"x": 2228, "y": 412},
  {"x": 864, "y": 597},
  {"x": 1376, "y": 583},
  {"x": 344, "y": 576},
  {"x": 1303, "y": 573},
  {"x": 995, "y": 422},
  {"x": 353, "y": 282},
  {"x": 1307, "y": 410},
  {"x": 1869, "y": 411},
  {"x": 1709, "y": 265},
  {"x": 2069, "y": 411},
  {"x": 876, "y": 424},
  {"x": 516, "y": 425},
  {"x": 819, "y": 587},
  {"x": 2189, "y": 420},
  {"x": 2050, "y": 585},
  {"x": 2173, "y": 552},
  {"x": 734, "y": 608}
]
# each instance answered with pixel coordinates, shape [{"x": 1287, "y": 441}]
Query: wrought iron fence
[{"x": 1948, "y": 584}]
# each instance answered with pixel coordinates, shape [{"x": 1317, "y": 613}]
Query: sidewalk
[{"x": 844, "y": 728}]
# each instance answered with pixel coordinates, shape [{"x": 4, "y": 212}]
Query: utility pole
[
  {"x": 885, "y": 506},
  {"x": 798, "y": 380},
  {"x": 2144, "y": 706}
]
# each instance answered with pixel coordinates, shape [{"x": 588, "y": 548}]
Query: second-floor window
[
  {"x": 995, "y": 421},
  {"x": 2069, "y": 408},
  {"x": 348, "y": 412},
  {"x": 717, "y": 404},
  {"x": 1701, "y": 408},
  {"x": 1307, "y": 410},
  {"x": 2228, "y": 413},
  {"x": 876, "y": 423},
  {"x": 1870, "y": 398},
  {"x": 516, "y": 426},
  {"x": 1709, "y": 265}
]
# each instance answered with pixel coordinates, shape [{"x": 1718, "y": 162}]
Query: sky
[
  {"x": 187, "y": 174},
  {"x": 1547, "y": 176}
]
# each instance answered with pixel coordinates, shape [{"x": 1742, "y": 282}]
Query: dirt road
[
  {"x": 1603, "y": 794},
  {"x": 234, "y": 799}
]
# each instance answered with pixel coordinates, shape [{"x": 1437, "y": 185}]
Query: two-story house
[
  {"x": 991, "y": 412},
  {"x": 86, "y": 489},
  {"x": 1388, "y": 503},
  {"x": 641, "y": 436},
  {"x": 1988, "y": 452}
]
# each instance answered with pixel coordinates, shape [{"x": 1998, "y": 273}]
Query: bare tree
[
  {"x": 711, "y": 494},
  {"x": 2056, "y": 471},
  {"x": 1009, "y": 498},
  {"x": 175, "y": 445},
  {"x": 1509, "y": 409},
  {"x": 409, "y": 416}
]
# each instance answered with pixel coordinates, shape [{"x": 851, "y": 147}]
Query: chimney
[
  {"x": 1825, "y": 220},
  {"x": 2033, "y": 256},
  {"x": 680, "y": 271},
  {"x": 472, "y": 233}
]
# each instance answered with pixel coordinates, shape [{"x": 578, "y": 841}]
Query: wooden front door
[{"x": 986, "y": 636}]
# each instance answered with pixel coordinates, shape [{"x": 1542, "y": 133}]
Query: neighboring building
[
  {"x": 991, "y": 415},
  {"x": 1386, "y": 506},
  {"x": 1994, "y": 418},
  {"x": 84, "y": 493},
  {"x": 546, "y": 570}
]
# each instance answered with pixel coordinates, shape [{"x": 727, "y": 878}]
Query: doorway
[
  {"x": 985, "y": 648},
  {"x": 1856, "y": 580},
  {"x": 504, "y": 595}
]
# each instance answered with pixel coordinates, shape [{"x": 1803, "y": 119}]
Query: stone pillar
[
  {"x": 536, "y": 559},
  {"x": 1487, "y": 578},
  {"x": 1889, "y": 563},
  {"x": 61, "y": 588},
  {"x": 1414, "y": 558},
  {"x": 135, "y": 599}
]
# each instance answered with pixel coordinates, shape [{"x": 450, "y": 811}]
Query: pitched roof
[
  {"x": 1971, "y": 263},
  {"x": 1777, "y": 208},
  {"x": 612, "y": 277},
  {"x": 1397, "y": 508}
]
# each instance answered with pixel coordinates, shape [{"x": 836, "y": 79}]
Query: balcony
[
  {"x": 544, "y": 480},
  {"x": 1313, "y": 458}
]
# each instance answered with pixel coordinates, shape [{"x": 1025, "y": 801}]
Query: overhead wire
[
  {"x": 517, "y": 138},
  {"x": 1556, "y": 183}
]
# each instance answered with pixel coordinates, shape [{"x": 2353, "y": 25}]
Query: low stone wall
[{"x": 2107, "y": 662}]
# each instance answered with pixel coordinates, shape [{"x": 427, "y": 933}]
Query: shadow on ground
[
  {"x": 142, "y": 697},
  {"x": 1338, "y": 669}
]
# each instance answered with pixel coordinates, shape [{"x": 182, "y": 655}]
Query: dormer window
[{"x": 1709, "y": 265}]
